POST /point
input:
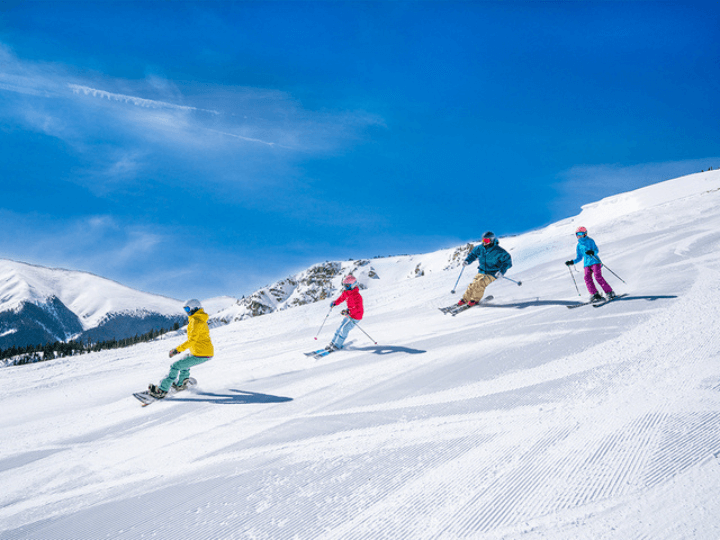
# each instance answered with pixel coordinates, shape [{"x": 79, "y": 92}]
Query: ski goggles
[
  {"x": 578, "y": 234},
  {"x": 187, "y": 309},
  {"x": 487, "y": 241}
]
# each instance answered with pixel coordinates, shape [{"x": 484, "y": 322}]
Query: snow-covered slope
[{"x": 519, "y": 420}]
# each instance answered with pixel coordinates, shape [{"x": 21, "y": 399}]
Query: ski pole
[
  {"x": 606, "y": 268},
  {"x": 575, "y": 282},
  {"x": 323, "y": 323},
  {"x": 518, "y": 282},
  {"x": 364, "y": 332},
  {"x": 614, "y": 274},
  {"x": 458, "y": 280}
]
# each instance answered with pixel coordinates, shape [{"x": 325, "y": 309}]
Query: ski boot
[
  {"x": 156, "y": 392},
  {"x": 611, "y": 295},
  {"x": 332, "y": 347},
  {"x": 597, "y": 297},
  {"x": 462, "y": 302}
]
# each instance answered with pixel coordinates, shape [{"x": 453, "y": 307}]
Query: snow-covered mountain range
[
  {"x": 40, "y": 305},
  {"x": 517, "y": 420}
]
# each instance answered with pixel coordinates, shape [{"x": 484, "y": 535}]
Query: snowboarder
[
  {"x": 353, "y": 313},
  {"x": 201, "y": 350},
  {"x": 587, "y": 250},
  {"x": 493, "y": 263}
]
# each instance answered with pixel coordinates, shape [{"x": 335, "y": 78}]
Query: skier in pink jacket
[{"x": 353, "y": 313}]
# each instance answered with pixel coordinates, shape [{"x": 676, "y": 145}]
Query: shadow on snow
[
  {"x": 388, "y": 349},
  {"x": 239, "y": 397}
]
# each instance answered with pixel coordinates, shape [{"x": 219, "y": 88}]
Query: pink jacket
[{"x": 354, "y": 302}]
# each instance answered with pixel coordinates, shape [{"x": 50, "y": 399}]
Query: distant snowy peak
[
  {"x": 44, "y": 305},
  {"x": 92, "y": 298}
]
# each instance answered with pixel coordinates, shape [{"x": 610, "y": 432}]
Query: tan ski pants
[{"x": 476, "y": 289}]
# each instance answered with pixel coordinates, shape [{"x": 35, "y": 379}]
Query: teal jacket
[
  {"x": 586, "y": 244},
  {"x": 491, "y": 260}
]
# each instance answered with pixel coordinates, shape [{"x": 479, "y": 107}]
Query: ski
[
  {"x": 582, "y": 304},
  {"x": 455, "y": 309},
  {"x": 608, "y": 300},
  {"x": 320, "y": 353},
  {"x": 146, "y": 399},
  {"x": 595, "y": 303}
]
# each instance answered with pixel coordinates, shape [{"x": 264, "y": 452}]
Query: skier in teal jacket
[{"x": 493, "y": 262}]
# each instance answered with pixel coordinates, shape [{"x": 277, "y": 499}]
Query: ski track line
[
  {"x": 696, "y": 441},
  {"x": 392, "y": 488},
  {"x": 365, "y": 479},
  {"x": 493, "y": 504},
  {"x": 304, "y": 475},
  {"x": 400, "y": 516}
]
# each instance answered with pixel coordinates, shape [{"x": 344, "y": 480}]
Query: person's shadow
[
  {"x": 239, "y": 397},
  {"x": 388, "y": 349}
]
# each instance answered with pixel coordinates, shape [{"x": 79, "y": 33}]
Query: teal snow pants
[{"x": 182, "y": 367}]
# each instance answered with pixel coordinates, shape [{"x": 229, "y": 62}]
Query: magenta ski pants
[{"x": 596, "y": 271}]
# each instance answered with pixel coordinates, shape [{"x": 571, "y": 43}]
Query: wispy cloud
[
  {"x": 249, "y": 139},
  {"x": 232, "y": 127},
  {"x": 134, "y": 100}
]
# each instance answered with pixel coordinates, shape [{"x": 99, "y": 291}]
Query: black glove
[
  {"x": 345, "y": 312},
  {"x": 590, "y": 252},
  {"x": 569, "y": 263}
]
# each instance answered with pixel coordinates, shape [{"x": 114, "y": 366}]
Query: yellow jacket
[{"x": 198, "y": 335}]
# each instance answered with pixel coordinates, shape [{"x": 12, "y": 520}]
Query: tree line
[{"x": 61, "y": 349}]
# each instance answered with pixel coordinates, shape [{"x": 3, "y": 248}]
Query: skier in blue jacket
[
  {"x": 493, "y": 262},
  {"x": 587, "y": 250}
]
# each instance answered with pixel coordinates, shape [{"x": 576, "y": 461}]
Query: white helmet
[{"x": 191, "y": 306}]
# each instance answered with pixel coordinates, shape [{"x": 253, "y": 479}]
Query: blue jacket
[
  {"x": 586, "y": 244},
  {"x": 491, "y": 260}
]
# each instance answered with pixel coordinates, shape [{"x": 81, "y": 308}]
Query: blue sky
[{"x": 210, "y": 148}]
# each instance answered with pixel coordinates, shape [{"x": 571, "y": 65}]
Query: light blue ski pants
[
  {"x": 343, "y": 331},
  {"x": 182, "y": 368}
]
